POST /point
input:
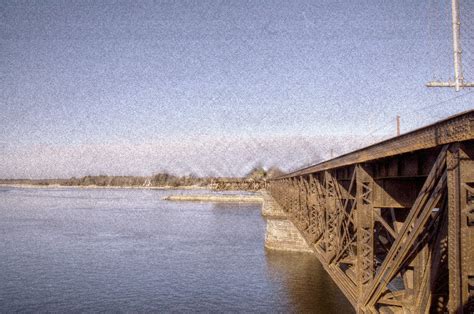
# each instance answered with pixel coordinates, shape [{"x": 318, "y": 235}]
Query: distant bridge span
[
  {"x": 393, "y": 223},
  {"x": 224, "y": 184}
]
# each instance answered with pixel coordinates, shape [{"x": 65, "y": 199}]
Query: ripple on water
[{"x": 127, "y": 250}]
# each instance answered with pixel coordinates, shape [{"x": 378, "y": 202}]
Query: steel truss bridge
[
  {"x": 393, "y": 223},
  {"x": 237, "y": 184}
]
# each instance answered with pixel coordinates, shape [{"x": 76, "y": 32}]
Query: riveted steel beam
[{"x": 393, "y": 223}]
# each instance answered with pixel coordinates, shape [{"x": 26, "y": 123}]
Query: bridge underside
[{"x": 394, "y": 227}]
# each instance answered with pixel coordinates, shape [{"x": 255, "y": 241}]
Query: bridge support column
[
  {"x": 280, "y": 233},
  {"x": 332, "y": 232},
  {"x": 461, "y": 230},
  {"x": 365, "y": 230}
]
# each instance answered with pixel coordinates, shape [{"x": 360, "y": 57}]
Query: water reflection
[{"x": 305, "y": 282}]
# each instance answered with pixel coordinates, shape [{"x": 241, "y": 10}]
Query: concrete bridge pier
[{"x": 280, "y": 234}]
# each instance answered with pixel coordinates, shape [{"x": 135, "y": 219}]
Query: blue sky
[{"x": 135, "y": 87}]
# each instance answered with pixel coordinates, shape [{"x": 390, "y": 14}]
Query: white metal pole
[{"x": 458, "y": 77}]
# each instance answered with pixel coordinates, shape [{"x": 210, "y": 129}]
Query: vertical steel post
[
  {"x": 460, "y": 231},
  {"x": 458, "y": 76},
  {"x": 365, "y": 229}
]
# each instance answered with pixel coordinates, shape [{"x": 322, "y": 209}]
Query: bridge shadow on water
[{"x": 318, "y": 294}]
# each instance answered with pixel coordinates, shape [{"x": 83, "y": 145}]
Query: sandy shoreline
[
  {"x": 57, "y": 186},
  {"x": 215, "y": 198}
]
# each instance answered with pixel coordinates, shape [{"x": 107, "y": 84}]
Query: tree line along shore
[{"x": 157, "y": 180}]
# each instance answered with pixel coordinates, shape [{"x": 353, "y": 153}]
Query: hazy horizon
[
  {"x": 165, "y": 154},
  {"x": 214, "y": 88}
]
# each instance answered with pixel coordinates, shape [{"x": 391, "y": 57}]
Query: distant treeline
[
  {"x": 161, "y": 179},
  {"x": 158, "y": 180}
]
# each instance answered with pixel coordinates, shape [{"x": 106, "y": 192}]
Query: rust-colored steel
[
  {"x": 238, "y": 184},
  {"x": 393, "y": 223}
]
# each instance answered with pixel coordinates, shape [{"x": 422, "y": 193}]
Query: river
[{"x": 127, "y": 250}]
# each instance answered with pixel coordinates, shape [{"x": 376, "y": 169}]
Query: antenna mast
[
  {"x": 398, "y": 125},
  {"x": 458, "y": 83}
]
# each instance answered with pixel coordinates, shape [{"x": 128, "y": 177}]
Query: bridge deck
[{"x": 453, "y": 129}]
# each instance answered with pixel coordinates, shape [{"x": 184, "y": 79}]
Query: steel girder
[{"x": 418, "y": 259}]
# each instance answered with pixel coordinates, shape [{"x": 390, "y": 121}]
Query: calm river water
[{"x": 123, "y": 250}]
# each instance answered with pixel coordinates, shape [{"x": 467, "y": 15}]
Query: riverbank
[
  {"x": 57, "y": 186},
  {"x": 223, "y": 198}
]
